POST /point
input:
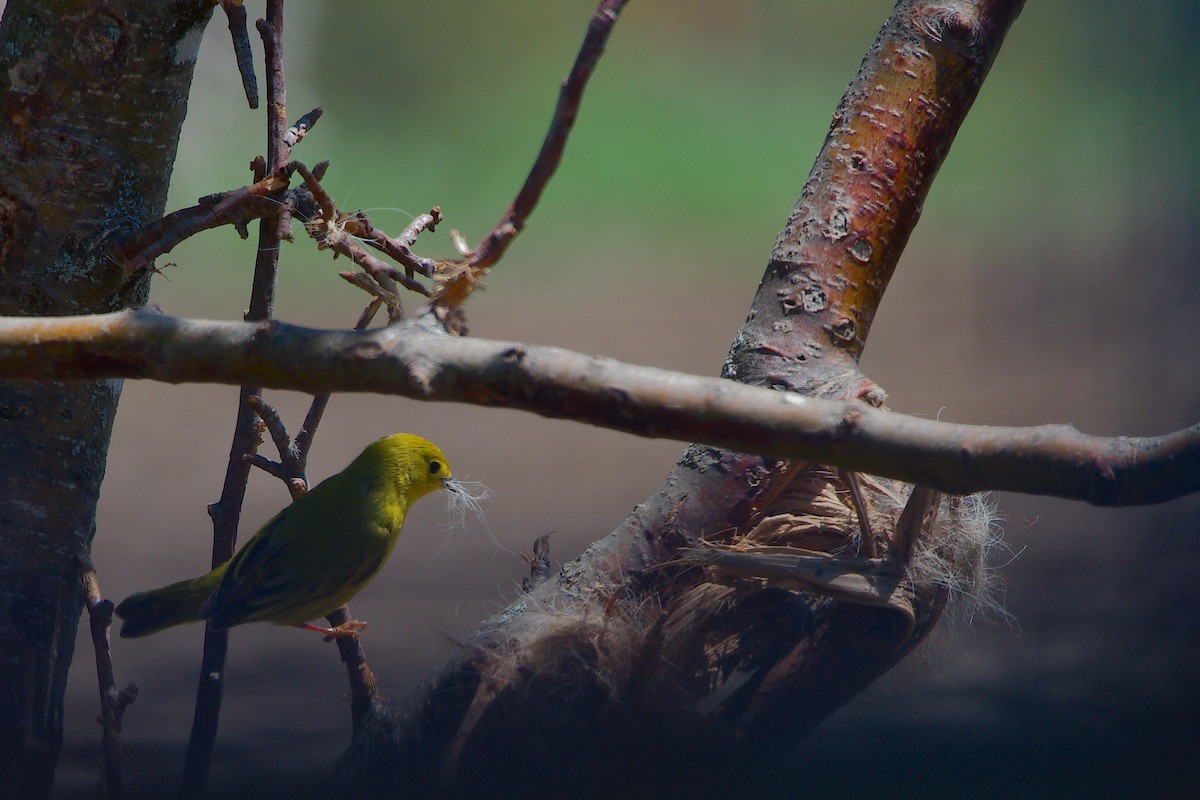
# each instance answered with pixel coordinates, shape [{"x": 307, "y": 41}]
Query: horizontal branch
[{"x": 414, "y": 361}]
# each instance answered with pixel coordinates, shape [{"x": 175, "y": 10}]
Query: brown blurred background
[{"x": 1052, "y": 280}]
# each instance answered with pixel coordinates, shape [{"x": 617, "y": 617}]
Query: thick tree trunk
[
  {"x": 642, "y": 668},
  {"x": 92, "y": 98}
]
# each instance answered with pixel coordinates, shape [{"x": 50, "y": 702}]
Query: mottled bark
[
  {"x": 540, "y": 699},
  {"x": 92, "y": 97}
]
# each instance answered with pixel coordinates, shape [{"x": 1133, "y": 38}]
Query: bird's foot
[{"x": 347, "y": 630}]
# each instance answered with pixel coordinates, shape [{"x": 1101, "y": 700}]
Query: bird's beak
[{"x": 451, "y": 485}]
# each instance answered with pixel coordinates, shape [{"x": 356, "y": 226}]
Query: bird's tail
[{"x": 149, "y": 612}]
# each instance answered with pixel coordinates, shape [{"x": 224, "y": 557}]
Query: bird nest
[{"x": 861, "y": 539}]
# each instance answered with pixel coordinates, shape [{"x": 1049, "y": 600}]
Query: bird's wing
[{"x": 257, "y": 580}]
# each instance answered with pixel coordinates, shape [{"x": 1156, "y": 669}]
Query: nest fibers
[
  {"x": 701, "y": 632},
  {"x": 944, "y": 545}
]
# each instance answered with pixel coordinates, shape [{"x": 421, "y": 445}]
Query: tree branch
[
  {"x": 837, "y": 252},
  {"x": 226, "y": 512},
  {"x": 460, "y": 278},
  {"x": 236, "y": 13},
  {"x": 112, "y": 702},
  {"x": 758, "y": 666},
  {"x": 412, "y": 361}
]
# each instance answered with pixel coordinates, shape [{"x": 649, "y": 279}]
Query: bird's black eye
[{"x": 435, "y": 467}]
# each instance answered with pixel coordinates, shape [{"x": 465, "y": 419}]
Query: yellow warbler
[{"x": 313, "y": 556}]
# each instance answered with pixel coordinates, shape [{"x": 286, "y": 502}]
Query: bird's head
[{"x": 417, "y": 465}]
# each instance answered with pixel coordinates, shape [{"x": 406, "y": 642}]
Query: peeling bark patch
[
  {"x": 37, "y": 299},
  {"x": 701, "y": 458},
  {"x": 843, "y": 331},
  {"x": 807, "y": 299},
  {"x": 813, "y": 299},
  {"x": 15, "y": 413},
  {"x": 27, "y": 76},
  {"x": 861, "y": 251},
  {"x": 15, "y": 217},
  {"x": 102, "y": 43},
  {"x": 839, "y": 223},
  {"x": 365, "y": 350}
]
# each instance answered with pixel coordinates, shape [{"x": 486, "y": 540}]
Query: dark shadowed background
[{"x": 1053, "y": 279}]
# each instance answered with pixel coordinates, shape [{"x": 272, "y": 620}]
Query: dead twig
[
  {"x": 226, "y": 512},
  {"x": 291, "y": 469},
  {"x": 400, "y": 248},
  {"x": 539, "y": 563},
  {"x": 270, "y": 28},
  {"x": 461, "y": 277},
  {"x": 333, "y": 230},
  {"x": 238, "y": 207},
  {"x": 382, "y": 297},
  {"x": 236, "y": 14},
  {"x": 112, "y": 702},
  {"x": 295, "y": 134}
]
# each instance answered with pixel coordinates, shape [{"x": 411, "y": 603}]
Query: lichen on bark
[{"x": 92, "y": 98}]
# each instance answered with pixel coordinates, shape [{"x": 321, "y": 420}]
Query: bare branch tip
[{"x": 236, "y": 14}]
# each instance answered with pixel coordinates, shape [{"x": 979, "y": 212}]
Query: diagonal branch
[
  {"x": 415, "y": 362},
  {"x": 237, "y": 207},
  {"x": 461, "y": 277}
]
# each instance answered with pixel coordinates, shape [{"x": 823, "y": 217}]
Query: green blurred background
[{"x": 1052, "y": 280}]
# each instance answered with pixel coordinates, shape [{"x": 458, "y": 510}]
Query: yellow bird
[{"x": 313, "y": 556}]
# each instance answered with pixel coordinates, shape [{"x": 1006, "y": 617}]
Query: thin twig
[
  {"x": 368, "y": 284},
  {"x": 112, "y": 702},
  {"x": 236, "y": 12},
  {"x": 339, "y": 232},
  {"x": 539, "y": 563},
  {"x": 420, "y": 224},
  {"x": 459, "y": 283},
  {"x": 293, "y": 135},
  {"x": 368, "y": 313},
  {"x": 237, "y": 207},
  {"x": 867, "y": 540},
  {"x": 364, "y": 689},
  {"x": 274, "y": 424},
  {"x": 324, "y": 200},
  {"x": 271, "y": 30},
  {"x": 308, "y": 429},
  {"x": 226, "y": 512},
  {"x": 359, "y": 226},
  {"x": 291, "y": 467},
  {"x": 273, "y": 468}
]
